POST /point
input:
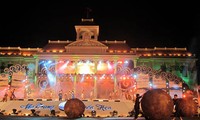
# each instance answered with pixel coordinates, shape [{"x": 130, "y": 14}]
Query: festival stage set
[{"x": 106, "y": 75}]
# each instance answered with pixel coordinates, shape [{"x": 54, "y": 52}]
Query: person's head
[
  {"x": 175, "y": 95},
  {"x": 137, "y": 95}
]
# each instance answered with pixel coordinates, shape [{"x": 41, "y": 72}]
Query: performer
[
  {"x": 137, "y": 106},
  {"x": 66, "y": 96},
  {"x": 13, "y": 97},
  {"x": 60, "y": 95},
  {"x": 91, "y": 94},
  {"x": 5, "y": 97},
  {"x": 110, "y": 96},
  {"x": 82, "y": 94},
  {"x": 72, "y": 94},
  {"x": 176, "y": 112},
  {"x": 51, "y": 94}
]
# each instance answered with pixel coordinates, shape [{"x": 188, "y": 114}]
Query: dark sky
[{"x": 140, "y": 23}]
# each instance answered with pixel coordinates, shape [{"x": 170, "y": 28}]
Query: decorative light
[
  {"x": 148, "y": 54},
  {"x": 60, "y": 51},
  {"x": 189, "y": 54},
  {"x": 134, "y": 76},
  {"x": 54, "y": 51}
]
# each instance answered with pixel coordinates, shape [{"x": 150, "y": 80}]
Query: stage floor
[{"x": 64, "y": 118}]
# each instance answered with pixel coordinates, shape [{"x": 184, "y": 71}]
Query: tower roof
[{"x": 86, "y": 21}]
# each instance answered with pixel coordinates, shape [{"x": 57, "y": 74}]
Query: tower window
[{"x": 81, "y": 37}]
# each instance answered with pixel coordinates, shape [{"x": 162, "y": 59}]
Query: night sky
[{"x": 140, "y": 23}]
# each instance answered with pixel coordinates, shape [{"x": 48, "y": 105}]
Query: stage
[
  {"x": 43, "y": 107},
  {"x": 84, "y": 118}
]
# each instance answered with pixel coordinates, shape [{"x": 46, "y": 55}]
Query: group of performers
[
  {"x": 125, "y": 95},
  {"x": 66, "y": 97}
]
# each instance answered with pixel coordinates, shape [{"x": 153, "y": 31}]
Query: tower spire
[
  {"x": 88, "y": 10},
  {"x": 87, "y": 18}
]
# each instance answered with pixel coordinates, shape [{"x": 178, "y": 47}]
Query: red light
[{"x": 184, "y": 96}]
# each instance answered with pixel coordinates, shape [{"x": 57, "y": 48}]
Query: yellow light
[
  {"x": 9, "y": 53},
  {"x": 189, "y": 54},
  {"x": 149, "y": 55},
  {"x": 54, "y": 51}
]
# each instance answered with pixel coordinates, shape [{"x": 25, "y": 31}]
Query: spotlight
[
  {"x": 33, "y": 113},
  {"x": 93, "y": 113},
  {"x": 114, "y": 113},
  {"x": 14, "y": 112},
  {"x": 53, "y": 113}
]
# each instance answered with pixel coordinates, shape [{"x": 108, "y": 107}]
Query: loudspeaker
[
  {"x": 105, "y": 100},
  {"x": 21, "y": 99},
  {"x": 39, "y": 99},
  {"x": 117, "y": 100}
]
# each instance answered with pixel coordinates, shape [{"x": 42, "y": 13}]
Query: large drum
[
  {"x": 157, "y": 105},
  {"x": 187, "y": 107},
  {"x": 74, "y": 108}
]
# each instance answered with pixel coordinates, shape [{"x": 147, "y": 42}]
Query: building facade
[{"x": 88, "y": 68}]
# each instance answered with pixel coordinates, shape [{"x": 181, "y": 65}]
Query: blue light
[
  {"x": 49, "y": 62},
  {"x": 126, "y": 62},
  {"x": 134, "y": 76}
]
